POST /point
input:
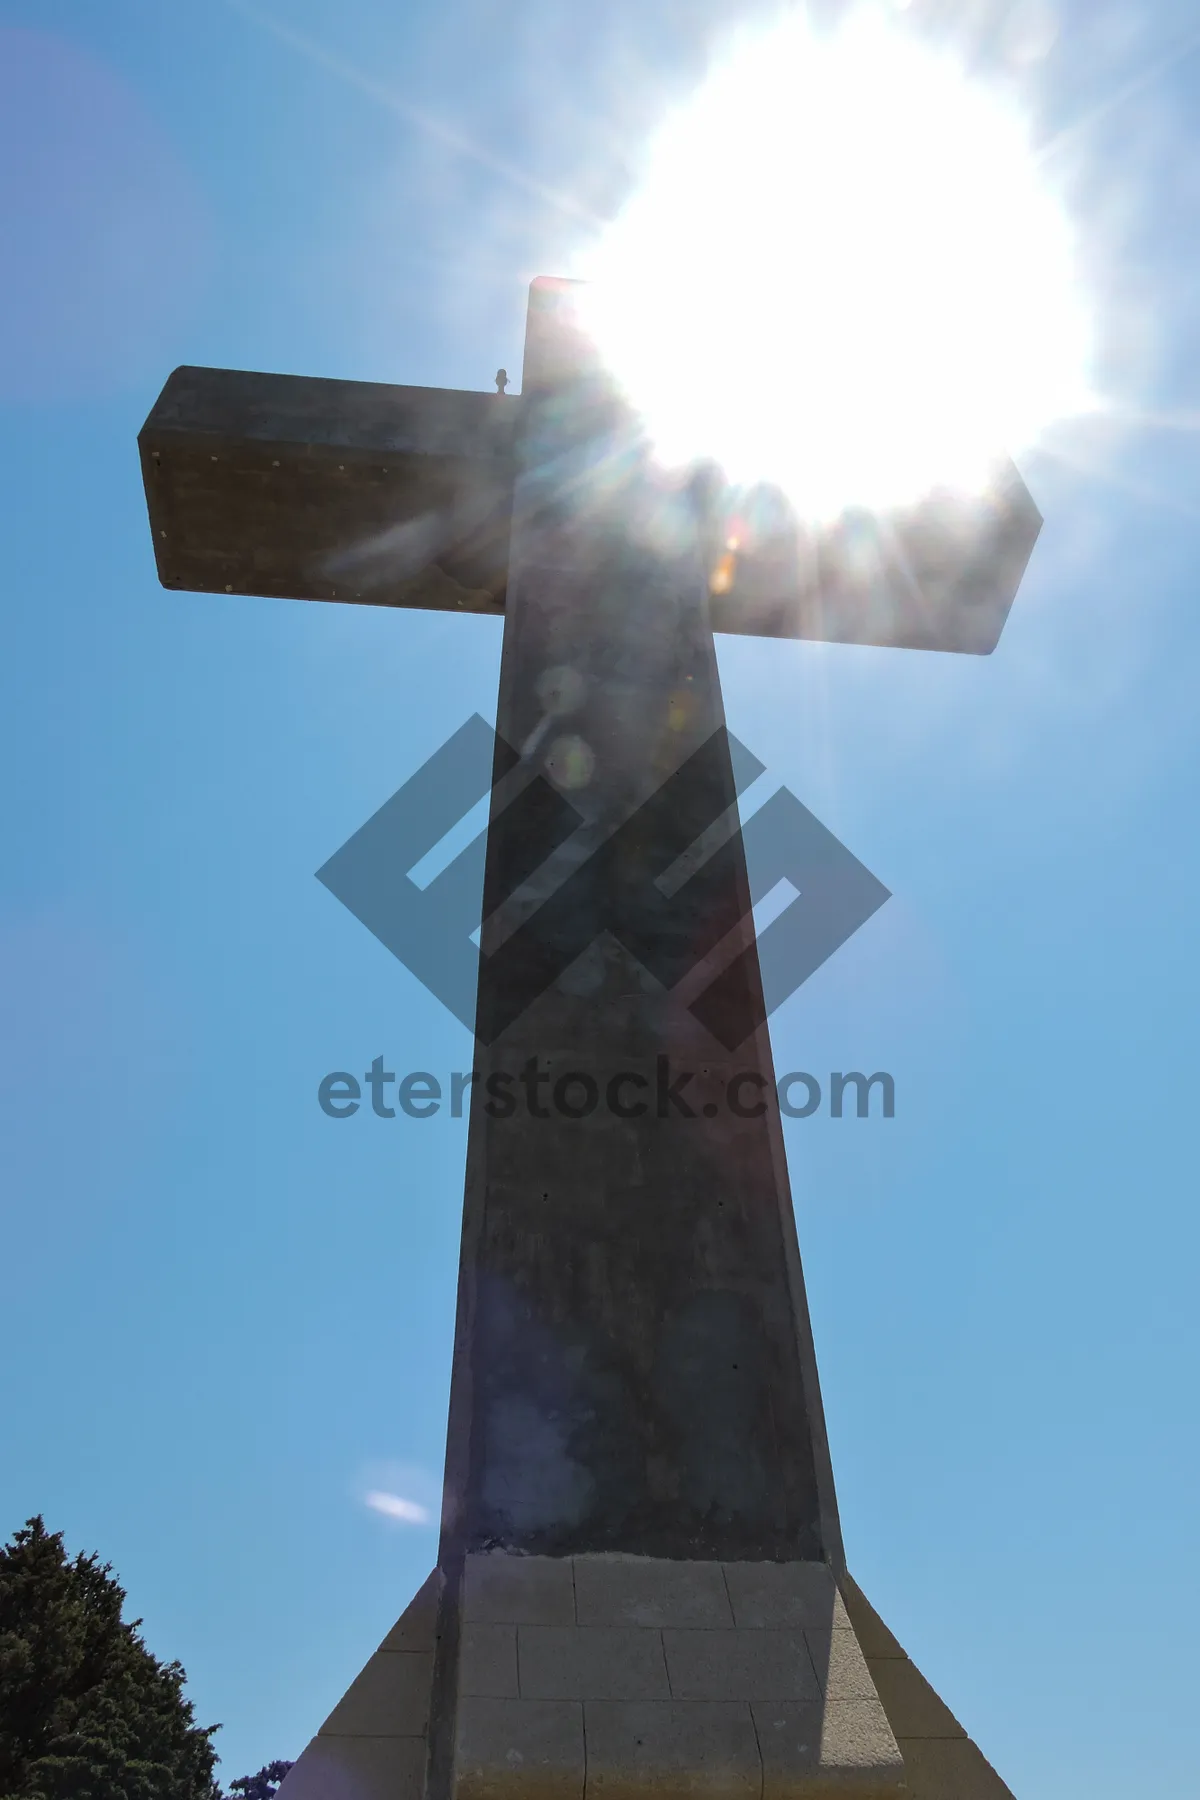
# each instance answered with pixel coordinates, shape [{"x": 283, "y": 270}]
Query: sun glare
[{"x": 843, "y": 272}]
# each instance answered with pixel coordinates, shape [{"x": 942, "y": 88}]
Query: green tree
[
  {"x": 86, "y": 1712},
  {"x": 262, "y": 1786}
]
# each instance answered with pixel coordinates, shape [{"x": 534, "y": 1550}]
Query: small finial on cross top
[{"x": 501, "y": 380}]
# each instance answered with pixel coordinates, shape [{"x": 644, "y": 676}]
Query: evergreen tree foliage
[
  {"x": 263, "y": 1786},
  {"x": 86, "y": 1712}
]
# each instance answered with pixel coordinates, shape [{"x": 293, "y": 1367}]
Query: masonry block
[
  {"x": 780, "y": 1595},
  {"x": 487, "y": 1666},
  {"x": 599, "y": 1662},
  {"x": 372, "y": 1746},
  {"x": 416, "y": 1628},
  {"x": 527, "y": 1748},
  {"x": 827, "y": 1748},
  {"x": 390, "y": 1698},
  {"x": 941, "y": 1762},
  {"x": 950, "y": 1769},
  {"x": 873, "y": 1635},
  {"x": 569, "y": 1688},
  {"x": 518, "y": 1590},
  {"x": 358, "y": 1768},
  {"x": 915, "y": 1709},
  {"x": 840, "y": 1665},
  {"x": 643, "y": 1590},
  {"x": 671, "y": 1750},
  {"x": 739, "y": 1665}
]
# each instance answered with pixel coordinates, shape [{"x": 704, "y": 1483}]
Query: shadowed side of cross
[
  {"x": 430, "y": 928},
  {"x": 379, "y": 495}
]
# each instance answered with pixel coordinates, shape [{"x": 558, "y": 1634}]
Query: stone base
[
  {"x": 940, "y": 1761},
  {"x": 610, "y": 1677},
  {"x": 635, "y": 1678},
  {"x": 373, "y": 1745}
]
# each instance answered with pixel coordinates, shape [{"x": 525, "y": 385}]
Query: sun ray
[
  {"x": 448, "y": 135},
  {"x": 1119, "y": 481},
  {"x": 1141, "y": 419},
  {"x": 1178, "y": 52}
]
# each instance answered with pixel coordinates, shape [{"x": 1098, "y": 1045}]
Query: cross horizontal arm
[
  {"x": 330, "y": 490},
  {"x": 940, "y": 575},
  {"x": 402, "y": 496}
]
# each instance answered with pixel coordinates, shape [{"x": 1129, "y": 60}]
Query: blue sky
[{"x": 225, "y": 1317}]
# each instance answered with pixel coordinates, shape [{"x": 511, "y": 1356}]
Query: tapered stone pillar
[
  {"x": 641, "y": 1587},
  {"x": 633, "y": 1367},
  {"x": 640, "y": 1529}
]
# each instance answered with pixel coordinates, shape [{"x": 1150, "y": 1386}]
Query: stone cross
[{"x": 641, "y": 1583}]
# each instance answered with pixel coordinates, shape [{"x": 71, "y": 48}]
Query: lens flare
[{"x": 843, "y": 273}]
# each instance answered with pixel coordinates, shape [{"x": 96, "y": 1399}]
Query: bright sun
[{"x": 843, "y": 273}]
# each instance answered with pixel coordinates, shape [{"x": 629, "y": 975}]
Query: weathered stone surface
[
  {"x": 518, "y": 1590},
  {"x": 828, "y": 1720},
  {"x": 840, "y": 1665},
  {"x": 941, "y": 1762},
  {"x": 373, "y": 1745},
  {"x": 950, "y": 1769},
  {"x": 506, "y": 1748},
  {"x": 785, "y": 1594},
  {"x": 671, "y": 1750},
  {"x": 914, "y": 1708},
  {"x": 739, "y": 1665},
  {"x": 358, "y": 1768},
  {"x": 597, "y": 1662},
  {"x": 389, "y": 1698},
  {"x": 488, "y": 1662},
  {"x": 637, "y": 1375},
  {"x": 827, "y": 1747},
  {"x": 873, "y": 1635},
  {"x": 644, "y": 1590},
  {"x": 670, "y": 1708},
  {"x": 330, "y": 490},
  {"x": 416, "y": 1628}
]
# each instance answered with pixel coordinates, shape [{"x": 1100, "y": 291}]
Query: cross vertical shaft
[
  {"x": 634, "y": 1393},
  {"x": 634, "y": 1367}
]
